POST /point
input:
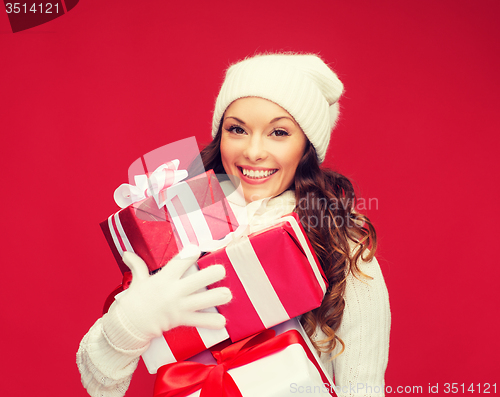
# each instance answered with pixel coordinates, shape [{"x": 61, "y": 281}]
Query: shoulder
[
  {"x": 369, "y": 276},
  {"x": 370, "y": 271}
]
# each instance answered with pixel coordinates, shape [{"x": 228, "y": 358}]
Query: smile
[{"x": 257, "y": 174}]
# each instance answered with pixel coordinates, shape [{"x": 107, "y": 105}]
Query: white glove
[{"x": 154, "y": 304}]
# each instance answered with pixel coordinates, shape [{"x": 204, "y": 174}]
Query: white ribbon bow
[{"x": 164, "y": 176}]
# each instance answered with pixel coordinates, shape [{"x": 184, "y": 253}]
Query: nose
[{"x": 255, "y": 150}]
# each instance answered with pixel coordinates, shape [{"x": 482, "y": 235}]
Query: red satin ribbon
[
  {"x": 127, "y": 279},
  {"x": 183, "y": 378}
]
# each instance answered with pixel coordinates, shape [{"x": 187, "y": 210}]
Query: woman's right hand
[{"x": 154, "y": 304}]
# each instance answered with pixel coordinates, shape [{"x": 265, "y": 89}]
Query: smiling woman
[
  {"x": 261, "y": 145},
  {"x": 271, "y": 128}
]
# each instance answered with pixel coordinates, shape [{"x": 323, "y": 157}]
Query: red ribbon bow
[{"x": 183, "y": 378}]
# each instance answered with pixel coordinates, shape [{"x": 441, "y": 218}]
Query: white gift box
[{"x": 291, "y": 371}]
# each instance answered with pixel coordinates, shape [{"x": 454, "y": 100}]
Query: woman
[{"x": 271, "y": 128}]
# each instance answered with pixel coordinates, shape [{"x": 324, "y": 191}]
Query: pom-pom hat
[{"x": 303, "y": 85}]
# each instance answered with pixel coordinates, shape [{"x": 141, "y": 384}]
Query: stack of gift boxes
[{"x": 273, "y": 274}]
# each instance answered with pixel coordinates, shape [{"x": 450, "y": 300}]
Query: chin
[{"x": 254, "y": 196}]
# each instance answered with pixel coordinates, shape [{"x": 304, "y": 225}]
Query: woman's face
[{"x": 261, "y": 144}]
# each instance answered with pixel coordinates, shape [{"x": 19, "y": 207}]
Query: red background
[{"x": 86, "y": 94}]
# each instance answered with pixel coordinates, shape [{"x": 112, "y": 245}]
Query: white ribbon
[
  {"x": 252, "y": 218},
  {"x": 191, "y": 210},
  {"x": 245, "y": 220},
  {"x": 164, "y": 176},
  {"x": 118, "y": 234},
  {"x": 256, "y": 283},
  {"x": 310, "y": 257}
]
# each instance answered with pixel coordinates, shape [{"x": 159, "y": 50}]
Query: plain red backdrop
[{"x": 85, "y": 95}]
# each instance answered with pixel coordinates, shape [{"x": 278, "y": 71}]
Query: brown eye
[
  {"x": 280, "y": 133},
  {"x": 236, "y": 129}
]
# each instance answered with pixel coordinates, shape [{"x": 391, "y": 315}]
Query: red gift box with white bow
[
  {"x": 273, "y": 274},
  {"x": 157, "y": 227}
]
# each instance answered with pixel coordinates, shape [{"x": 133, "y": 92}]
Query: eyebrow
[
  {"x": 237, "y": 119},
  {"x": 282, "y": 117},
  {"x": 272, "y": 121}
]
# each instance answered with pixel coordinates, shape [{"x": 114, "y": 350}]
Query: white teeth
[{"x": 257, "y": 174}]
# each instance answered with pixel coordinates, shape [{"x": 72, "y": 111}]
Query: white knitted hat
[{"x": 303, "y": 85}]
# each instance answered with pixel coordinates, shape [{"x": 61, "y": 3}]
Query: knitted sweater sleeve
[
  {"x": 360, "y": 369},
  {"x": 106, "y": 369}
]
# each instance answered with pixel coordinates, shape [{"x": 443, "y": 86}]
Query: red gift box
[
  {"x": 297, "y": 288},
  {"x": 274, "y": 275},
  {"x": 200, "y": 209},
  {"x": 179, "y": 344}
]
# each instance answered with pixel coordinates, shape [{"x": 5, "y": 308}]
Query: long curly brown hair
[{"x": 340, "y": 236}]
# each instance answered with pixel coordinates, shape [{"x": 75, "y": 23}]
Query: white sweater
[{"x": 106, "y": 369}]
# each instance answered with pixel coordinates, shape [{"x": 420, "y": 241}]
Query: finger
[
  {"x": 207, "y": 299},
  {"x": 202, "y": 278},
  {"x": 178, "y": 265},
  {"x": 136, "y": 264},
  {"x": 204, "y": 320}
]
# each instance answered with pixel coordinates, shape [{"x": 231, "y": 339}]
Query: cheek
[
  {"x": 292, "y": 159},
  {"x": 223, "y": 149},
  {"x": 226, "y": 153},
  {"x": 290, "y": 164}
]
